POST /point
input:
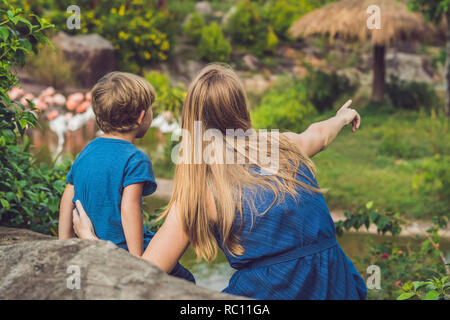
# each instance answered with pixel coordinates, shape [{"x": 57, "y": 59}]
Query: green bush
[
  {"x": 139, "y": 33},
  {"x": 245, "y": 24},
  {"x": 432, "y": 289},
  {"x": 29, "y": 194},
  {"x": 169, "y": 97},
  {"x": 213, "y": 46},
  {"x": 285, "y": 107},
  {"x": 193, "y": 28},
  {"x": 282, "y": 13},
  {"x": 324, "y": 89},
  {"x": 411, "y": 95}
]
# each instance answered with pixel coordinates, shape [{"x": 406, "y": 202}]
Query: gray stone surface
[
  {"x": 92, "y": 55},
  {"x": 32, "y": 268},
  {"x": 203, "y": 7}
]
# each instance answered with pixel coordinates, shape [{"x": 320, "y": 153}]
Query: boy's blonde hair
[{"x": 118, "y": 99}]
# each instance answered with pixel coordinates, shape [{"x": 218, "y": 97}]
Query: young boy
[{"x": 110, "y": 175}]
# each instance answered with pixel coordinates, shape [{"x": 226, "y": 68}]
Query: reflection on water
[
  {"x": 46, "y": 143},
  {"x": 216, "y": 275}
]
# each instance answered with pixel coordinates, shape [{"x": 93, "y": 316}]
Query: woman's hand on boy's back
[{"x": 82, "y": 225}]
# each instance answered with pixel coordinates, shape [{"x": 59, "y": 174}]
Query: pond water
[
  {"x": 213, "y": 275},
  {"x": 216, "y": 275}
]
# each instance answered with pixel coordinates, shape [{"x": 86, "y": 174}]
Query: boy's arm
[
  {"x": 319, "y": 135},
  {"x": 65, "y": 226},
  {"x": 132, "y": 222}
]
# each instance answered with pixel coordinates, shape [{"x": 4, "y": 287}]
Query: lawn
[{"x": 385, "y": 162}]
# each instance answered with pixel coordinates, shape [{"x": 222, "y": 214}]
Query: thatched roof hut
[{"x": 348, "y": 20}]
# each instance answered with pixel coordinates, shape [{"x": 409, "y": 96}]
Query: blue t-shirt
[{"x": 100, "y": 173}]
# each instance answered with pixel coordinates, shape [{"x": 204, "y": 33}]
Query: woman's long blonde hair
[{"x": 216, "y": 99}]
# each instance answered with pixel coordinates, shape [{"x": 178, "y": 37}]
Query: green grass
[{"x": 384, "y": 161}]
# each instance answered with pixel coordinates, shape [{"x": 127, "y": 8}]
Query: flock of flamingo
[
  {"x": 66, "y": 115},
  {"x": 63, "y": 114}
]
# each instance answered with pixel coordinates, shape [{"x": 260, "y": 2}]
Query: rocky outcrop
[
  {"x": 203, "y": 7},
  {"x": 34, "y": 266},
  {"x": 409, "y": 67},
  {"x": 92, "y": 55}
]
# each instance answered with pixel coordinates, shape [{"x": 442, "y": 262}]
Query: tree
[{"x": 436, "y": 11}]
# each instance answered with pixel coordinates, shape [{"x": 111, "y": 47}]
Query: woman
[{"x": 272, "y": 222}]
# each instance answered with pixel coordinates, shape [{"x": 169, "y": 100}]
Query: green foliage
[
  {"x": 433, "y": 10},
  {"x": 193, "y": 28},
  {"x": 267, "y": 42},
  {"x": 365, "y": 216},
  {"x": 247, "y": 27},
  {"x": 397, "y": 265},
  {"x": 245, "y": 24},
  {"x": 433, "y": 289},
  {"x": 213, "y": 46},
  {"x": 140, "y": 33},
  {"x": 282, "y": 13},
  {"x": 324, "y": 89},
  {"x": 169, "y": 97},
  {"x": 411, "y": 95},
  {"x": 29, "y": 195},
  {"x": 285, "y": 107}
]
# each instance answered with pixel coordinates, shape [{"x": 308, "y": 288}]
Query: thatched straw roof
[{"x": 347, "y": 19}]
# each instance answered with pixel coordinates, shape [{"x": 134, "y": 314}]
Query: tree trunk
[
  {"x": 447, "y": 68},
  {"x": 379, "y": 71},
  {"x": 162, "y": 4}
]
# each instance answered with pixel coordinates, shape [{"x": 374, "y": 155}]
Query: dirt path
[{"x": 417, "y": 227}]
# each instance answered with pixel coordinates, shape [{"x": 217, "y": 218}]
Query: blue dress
[{"x": 291, "y": 251}]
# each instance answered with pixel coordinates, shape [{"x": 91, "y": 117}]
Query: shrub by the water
[
  {"x": 213, "y": 46},
  {"x": 29, "y": 194},
  {"x": 398, "y": 264}
]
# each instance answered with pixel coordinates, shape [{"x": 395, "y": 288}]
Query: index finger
[{"x": 347, "y": 104}]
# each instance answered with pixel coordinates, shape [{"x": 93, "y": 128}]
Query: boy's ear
[{"x": 141, "y": 117}]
